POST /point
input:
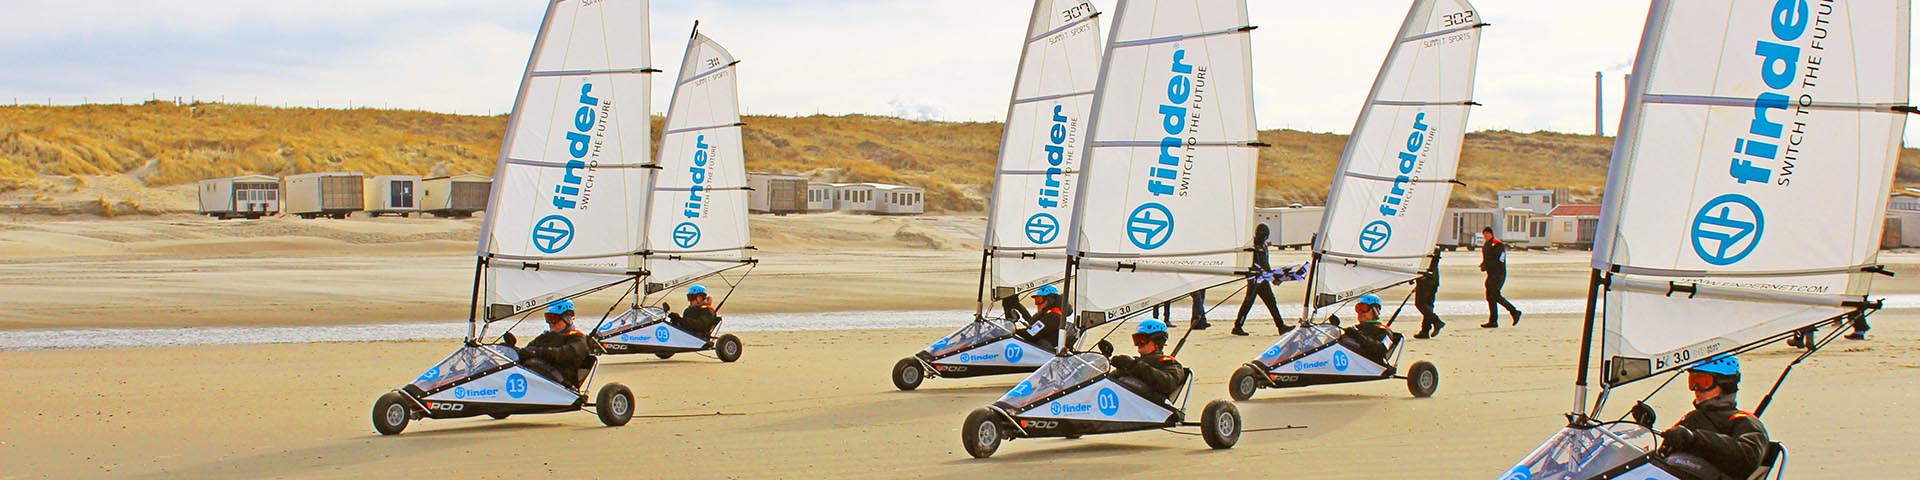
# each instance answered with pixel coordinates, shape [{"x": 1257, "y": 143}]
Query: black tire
[
  {"x": 1244, "y": 383},
  {"x": 728, "y": 348},
  {"x": 664, "y": 356},
  {"x": 499, "y": 416},
  {"x": 907, "y": 374},
  {"x": 1423, "y": 379},
  {"x": 981, "y": 434},
  {"x": 1220, "y": 424},
  {"x": 615, "y": 405},
  {"x": 390, "y": 414}
]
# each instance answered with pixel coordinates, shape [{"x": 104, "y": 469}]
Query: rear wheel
[
  {"x": 390, "y": 415},
  {"x": 981, "y": 433},
  {"x": 615, "y": 405},
  {"x": 728, "y": 348},
  {"x": 499, "y": 416},
  {"x": 1245, "y": 381},
  {"x": 1220, "y": 424},
  {"x": 908, "y": 373},
  {"x": 1423, "y": 379},
  {"x": 664, "y": 356}
]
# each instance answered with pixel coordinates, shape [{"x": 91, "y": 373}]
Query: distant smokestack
[{"x": 1599, "y": 105}]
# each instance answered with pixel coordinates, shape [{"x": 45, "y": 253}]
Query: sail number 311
[{"x": 1457, "y": 19}]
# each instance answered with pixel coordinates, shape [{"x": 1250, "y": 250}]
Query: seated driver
[
  {"x": 699, "y": 318},
  {"x": 1717, "y": 439},
  {"x": 1369, "y": 337},
  {"x": 561, "y": 350},
  {"x": 1154, "y": 372},
  {"x": 1043, "y": 328}
]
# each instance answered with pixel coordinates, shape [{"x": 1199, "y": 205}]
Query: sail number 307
[
  {"x": 1457, "y": 19},
  {"x": 1076, "y": 11}
]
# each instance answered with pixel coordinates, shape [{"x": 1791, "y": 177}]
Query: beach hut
[
  {"x": 1902, "y": 229},
  {"x": 456, "y": 196},
  {"x": 899, "y": 200},
  {"x": 245, "y": 196},
  {"x": 777, "y": 194},
  {"x": 853, "y": 197},
  {"x": 1903, "y": 201},
  {"x": 393, "y": 195},
  {"x": 329, "y": 194},
  {"x": 1573, "y": 226},
  {"x": 819, "y": 197},
  {"x": 1291, "y": 226}
]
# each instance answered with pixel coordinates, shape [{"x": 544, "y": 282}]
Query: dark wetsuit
[
  {"x": 1732, "y": 441},
  {"x": 1493, "y": 260},
  {"x": 1156, "y": 375},
  {"x": 697, "y": 320},
  {"x": 1256, "y": 288},
  {"x": 1048, "y": 335},
  {"x": 1426, "y": 290},
  {"x": 1370, "y": 339},
  {"x": 557, "y": 355}
]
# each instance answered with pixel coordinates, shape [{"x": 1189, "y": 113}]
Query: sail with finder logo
[
  {"x": 1386, "y": 207},
  {"x": 1164, "y": 205},
  {"x": 1040, "y": 150},
  {"x": 570, "y": 187},
  {"x": 698, "y": 223}
]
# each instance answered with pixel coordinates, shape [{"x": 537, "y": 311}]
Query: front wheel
[
  {"x": 1423, "y": 379},
  {"x": 1220, "y": 424},
  {"x": 663, "y": 356},
  {"x": 981, "y": 433},
  {"x": 908, "y": 373},
  {"x": 728, "y": 348},
  {"x": 390, "y": 415},
  {"x": 499, "y": 416},
  {"x": 615, "y": 405},
  {"x": 1245, "y": 381}
]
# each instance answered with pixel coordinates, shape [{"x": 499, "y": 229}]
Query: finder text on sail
[
  {"x": 1150, "y": 225},
  {"x": 585, "y": 137},
  {"x": 1412, "y": 159}
]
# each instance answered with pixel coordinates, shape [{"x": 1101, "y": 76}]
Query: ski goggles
[
  {"x": 1700, "y": 381},
  {"x": 1142, "y": 339}
]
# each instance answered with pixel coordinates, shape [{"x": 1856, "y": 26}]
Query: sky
[{"x": 921, "y": 59}]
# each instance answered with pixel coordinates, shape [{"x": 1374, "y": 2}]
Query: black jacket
[
  {"x": 1427, "y": 287},
  {"x": 1050, "y": 320},
  {"x": 1370, "y": 339},
  {"x": 697, "y": 320},
  {"x": 566, "y": 351},
  {"x": 1493, "y": 258},
  {"x": 1159, "y": 372},
  {"x": 1260, "y": 262},
  {"x": 1731, "y": 439}
]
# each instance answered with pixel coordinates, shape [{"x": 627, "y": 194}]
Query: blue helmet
[
  {"x": 1046, "y": 290},
  {"x": 562, "y": 307},
  {"x": 1719, "y": 365},
  {"x": 1151, "y": 326},
  {"x": 697, "y": 290},
  {"x": 1370, "y": 299}
]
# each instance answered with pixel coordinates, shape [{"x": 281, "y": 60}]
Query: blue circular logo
[
  {"x": 1025, "y": 387},
  {"x": 1108, "y": 402},
  {"x": 1273, "y": 351},
  {"x": 938, "y": 345},
  {"x": 1727, "y": 229},
  {"x": 1375, "y": 235},
  {"x": 686, "y": 234},
  {"x": 1518, "y": 473},
  {"x": 1043, "y": 228},
  {"x": 1340, "y": 361},
  {"x": 1150, "y": 226},
  {"x": 660, "y": 333},
  {"x": 460, "y": 393},
  {"x": 516, "y": 385},
  {"x": 1014, "y": 352},
  {"x": 552, "y": 233}
]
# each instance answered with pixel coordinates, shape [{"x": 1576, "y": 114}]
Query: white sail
[
  {"x": 1040, "y": 150},
  {"x": 1749, "y": 183},
  {"x": 1385, "y": 209},
  {"x": 699, "y": 220},
  {"x": 1165, "y": 205},
  {"x": 569, "y": 191}
]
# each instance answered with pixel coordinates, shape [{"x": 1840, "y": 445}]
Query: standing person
[
  {"x": 1425, "y": 291},
  {"x": 1257, "y": 286},
  {"x": 1199, "y": 319},
  {"x": 1493, "y": 260}
]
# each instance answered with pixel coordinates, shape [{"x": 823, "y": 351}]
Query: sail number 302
[
  {"x": 1457, "y": 19},
  {"x": 1076, "y": 11}
]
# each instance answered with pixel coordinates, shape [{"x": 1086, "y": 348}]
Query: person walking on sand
[
  {"x": 1425, "y": 290},
  {"x": 1493, "y": 260},
  {"x": 1258, "y": 286}
]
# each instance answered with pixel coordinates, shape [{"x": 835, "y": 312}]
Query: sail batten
[
  {"x": 700, "y": 192},
  {"x": 1748, "y": 186},
  {"x": 1386, "y": 207},
  {"x": 1040, "y": 150}
]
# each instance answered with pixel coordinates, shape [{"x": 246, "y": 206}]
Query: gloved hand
[
  {"x": 1122, "y": 363},
  {"x": 1333, "y": 320},
  {"x": 1642, "y": 414},
  {"x": 668, "y": 307},
  {"x": 1676, "y": 439},
  {"x": 509, "y": 340}
]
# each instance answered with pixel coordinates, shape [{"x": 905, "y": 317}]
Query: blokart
[
  {"x": 645, "y": 330},
  {"x": 489, "y": 380},
  {"x": 1072, "y": 396},
  {"x": 1615, "y": 450},
  {"x": 1322, "y": 355},
  {"x": 985, "y": 347}
]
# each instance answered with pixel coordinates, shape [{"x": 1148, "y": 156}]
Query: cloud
[{"x": 916, "y": 109}]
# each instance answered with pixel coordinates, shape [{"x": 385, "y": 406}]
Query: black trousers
[
  {"x": 1264, "y": 292},
  {"x": 1494, "y": 299},
  {"x": 1428, "y": 320}
]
